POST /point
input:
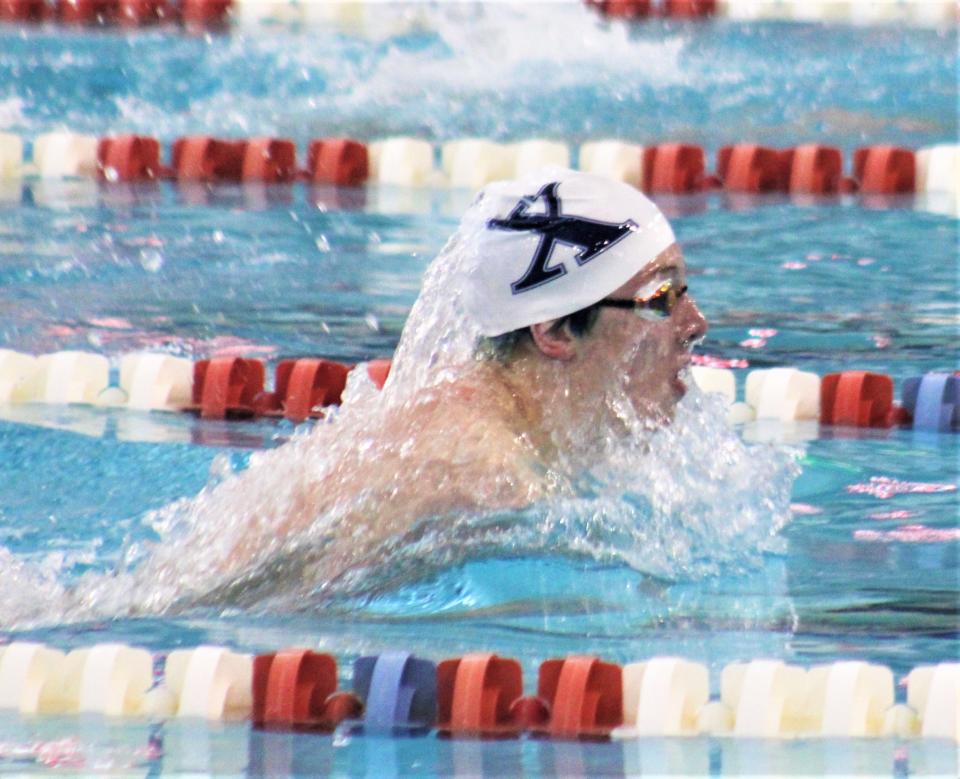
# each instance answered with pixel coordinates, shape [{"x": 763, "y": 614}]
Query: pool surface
[{"x": 273, "y": 272}]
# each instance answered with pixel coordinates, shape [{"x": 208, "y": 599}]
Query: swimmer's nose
[{"x": 691, "y": 324}]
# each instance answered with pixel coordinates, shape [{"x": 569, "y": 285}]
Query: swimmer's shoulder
[{"x": 466, "y": 432}]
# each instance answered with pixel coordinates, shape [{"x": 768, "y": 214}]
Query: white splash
[
  {"x": 11, "y": 113},
  {"x": 316, "y": 519}
]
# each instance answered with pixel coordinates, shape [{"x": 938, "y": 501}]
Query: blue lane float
[
  {"x": 399, "y": 692},
  {"x": 933, "y": 401}
]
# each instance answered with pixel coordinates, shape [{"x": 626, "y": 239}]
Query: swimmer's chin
[
  {"x": 679, "y": 387},
  {"x": 654, "y": 415}
]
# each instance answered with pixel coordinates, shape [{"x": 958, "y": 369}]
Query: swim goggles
[{"x": 659, "y": 305}]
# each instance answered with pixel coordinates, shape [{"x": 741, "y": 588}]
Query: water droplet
[
  {"x": 323, "y": 244},
  {"x": 151, "y": 260},
  {"x": 111, "y": 174},
  {"x": 220, "y": 467},
  {"x": 372, "y": 322},
  {"x": 218, "y": 236}
]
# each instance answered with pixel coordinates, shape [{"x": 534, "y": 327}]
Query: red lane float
[
  {"x": 204, "y": 158},
  {"x": 137, "y": 13},
  {"x": 340, "y": 161},
  {"x": 23, "y": 10},
  {"x": 296, "y": 688},
  {"x": 641, "y": 9},
  {"x": 303, "y": 387},
  {"x": 476, "y": 695},
  {"x": 128, "y": 158},
  {"x": 673, "y": 168},
  {"x": 227, "y": 386},
  {"x": 885, "y": 170},
  {"x": 812, "y": 169},
  {"x": 690, "y": 9},
  {"x": 87, "y": 11},
  {"x": 747, "y": 167},
  {"x": 204, "y": 13},
  {"x": 585, "y": 697},
  {"x": 271, "y": 160},
  {"x": 622, "y": 9},
  {"x": 857, "y": 398}
]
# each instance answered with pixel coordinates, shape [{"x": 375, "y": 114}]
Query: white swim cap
[{"x": 552, "y": 243}]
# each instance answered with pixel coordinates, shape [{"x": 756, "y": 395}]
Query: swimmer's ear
[{"x": 557, "y": 343}]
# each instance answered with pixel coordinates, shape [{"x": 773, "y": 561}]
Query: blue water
[
  {"x": 292, "y": 271},
  {"x": 477, "y": 69}
]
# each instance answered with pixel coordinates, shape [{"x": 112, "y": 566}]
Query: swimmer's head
[
  {"x": 584, "y": 270},
  {"x": 553, "y": 243}
]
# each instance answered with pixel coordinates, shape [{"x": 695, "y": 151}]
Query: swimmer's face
[{"x": 648, "y": 353}]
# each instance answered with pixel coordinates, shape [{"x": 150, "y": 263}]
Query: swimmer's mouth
[{"x": 679, "y": 386}]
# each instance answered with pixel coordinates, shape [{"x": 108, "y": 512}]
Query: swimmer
[{"x": 558, "y": 314}]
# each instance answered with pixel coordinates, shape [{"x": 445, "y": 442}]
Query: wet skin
[{"x": 651, "y": 353}]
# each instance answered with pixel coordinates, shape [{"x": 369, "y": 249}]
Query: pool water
[
  {"x": 822, "y": 285},
  {"x": 472, "y": 69}
]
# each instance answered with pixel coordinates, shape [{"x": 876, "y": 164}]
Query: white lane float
[
  {"x": 65, "y": 155},
  {"x": 30, "y": 677},
  {"x": 763, "y": 699},
  {"x": 208, "y": 682},
  {"x": 933, "y": 691},
  {"x": 614, "y": 159},
  {"x": 720, "y": 381},
  {"x": 938, "y": 168},
  {"x": 848, "y": 699},
  {"x": 536, "y": 153},
  {"x": 401, "y": 161},
  {"x": 153, "y": 381},
  {"x": 108, "y": 679},
  {"x": 783, "y": 393},
  {"x": 663, "y": 697},
  {"x": 16, "y": 370},
  {"x": 64, "y": 377},
  {"x": 11, "y": 156},
  {"x": 925, "y": 13},
  {"x": 470, "y": 163}
]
